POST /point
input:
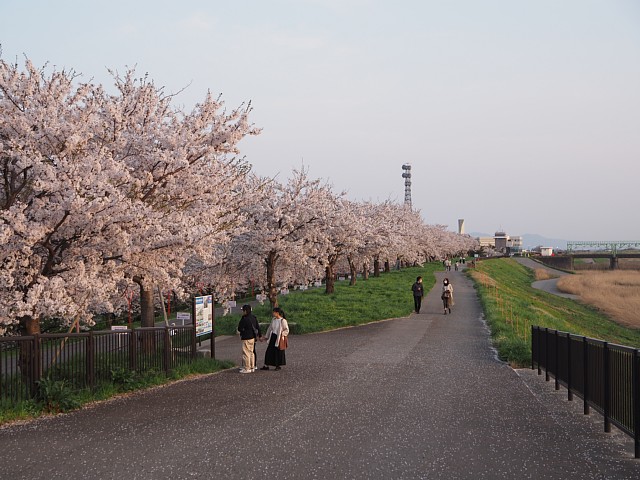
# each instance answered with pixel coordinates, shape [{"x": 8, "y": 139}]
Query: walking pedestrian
[
  {"x": 447, "y": 295},
  {"x": 418, "y": 293},
  {"x": 274, "y": 356},
  {"x": 249, "y": 329}
]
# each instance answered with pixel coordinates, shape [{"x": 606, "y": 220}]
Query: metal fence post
[
  {"x": 539, "y": 342},
  {"x": 133, "y": 343},
  {"x": 546, "y": 354},
  {"x": 36, "y": 364},
  {"x": 556, "y": 353},
  {"x": 194, "y": 348},
  {"x": 533, "y": 346},
  {"x": 569, "y": 364},
  {"x": 585, "y": 369},
  {"x": 635, "y": 393},
  {"x": 90, "y": 374},
  {"x": 166, "y": 357},
  {"x": 607, "y": 389}
]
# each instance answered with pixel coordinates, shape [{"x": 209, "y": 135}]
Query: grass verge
[
  {"x": 511, "y": 306},
  {"x": 378, "y": 298},
  {"x": 57, "y": 396}
]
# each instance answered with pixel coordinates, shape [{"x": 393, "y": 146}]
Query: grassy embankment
[
  {"x": 512, "y": 306},
  {"x": 378, "y": 298}
]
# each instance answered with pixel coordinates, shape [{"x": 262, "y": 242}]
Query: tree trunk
[
  {"x": 147, "y": 318},
  {"x": 376, "y": 267},
  {"x": 272, "y": 290},
  {"x": 387, "y": 266},
  {"x": 147, "y": 314},
  {"x": 365, "y": 271},
  {"x": 29, "y": 325},
  {"x": 330, "y": 279},
  {"x": 353, "y": 273},
  {"x": 28, "y": 363}
]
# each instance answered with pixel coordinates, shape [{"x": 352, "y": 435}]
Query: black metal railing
[
  {"x": 606, "y": 376},
  {"x": 83, "y": 360}
]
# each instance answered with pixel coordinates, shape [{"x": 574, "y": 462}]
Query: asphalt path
[
  {"x": 550, "y": 285},
  {"x": 416, "y": 397}
]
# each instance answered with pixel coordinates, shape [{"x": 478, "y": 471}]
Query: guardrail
[
  {"x": 84, "y": 359},
  {"x": 606, "y": 376}
]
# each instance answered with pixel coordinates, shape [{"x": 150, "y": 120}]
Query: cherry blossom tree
[
  {"x": 59, "y": 199},
  {"x": 101, "y": 193},
  {"x": 99, "y": 190},
  {"x": 341, "y": 236},
  {"x": 283, "y": 229},
  {"x": 230, "y": 268},
  {"x": 186, "y": 186},
  {"x": 356, "y": 225}
]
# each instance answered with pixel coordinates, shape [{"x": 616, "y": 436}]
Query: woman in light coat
[
  {"x": 274, "y": 356},
  {"x": 447, "y": 295}
]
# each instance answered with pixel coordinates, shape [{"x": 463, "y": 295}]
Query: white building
[{"x": 514, "y": 245}]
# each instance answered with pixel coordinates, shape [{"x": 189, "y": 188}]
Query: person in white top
[{"x": 279, "y": 327}]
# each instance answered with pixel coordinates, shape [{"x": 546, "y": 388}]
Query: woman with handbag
[{"x": 277, "y": 336}]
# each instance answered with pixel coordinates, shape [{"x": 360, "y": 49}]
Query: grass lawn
[
  {"x": 378, "y": 298},
  {"x": 512, "y": 306}
]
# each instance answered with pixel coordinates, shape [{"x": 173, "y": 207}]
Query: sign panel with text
[{"x": 204, "y": 315}]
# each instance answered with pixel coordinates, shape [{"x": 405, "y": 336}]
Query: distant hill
[{"x": 531, "y": 240}]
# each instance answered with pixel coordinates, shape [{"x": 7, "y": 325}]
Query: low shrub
[{"x": 56, "y": 396}]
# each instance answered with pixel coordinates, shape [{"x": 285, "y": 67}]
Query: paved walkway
[
  {"x": 417, "y": 397},
  {"x": 550, "y": 285}
]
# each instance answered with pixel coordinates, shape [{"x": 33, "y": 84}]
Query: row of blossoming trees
[{"x": 108, "y": 193}]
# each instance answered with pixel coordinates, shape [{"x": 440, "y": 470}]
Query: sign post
[{"x": 204, "y": 319}]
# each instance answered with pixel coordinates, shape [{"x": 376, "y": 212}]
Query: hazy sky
[{"x": 515, "y": 115}]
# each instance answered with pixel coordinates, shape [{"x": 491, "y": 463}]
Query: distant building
[
  {"x": 546, "y": 251},
  {"x": 503, "y": 243},
  {"x": 487, "y": 242},
  {"x": 500, "y": 239},
  {"x": 461, "y": 226},
  {"x": 514, "y": 245}
]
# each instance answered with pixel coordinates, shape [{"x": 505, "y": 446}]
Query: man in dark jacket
[
  {"x": 249, "y": 330},
  {"x": 418, "y": 293}
]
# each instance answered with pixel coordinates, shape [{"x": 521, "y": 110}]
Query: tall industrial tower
[{"x": 406, "y": 174}]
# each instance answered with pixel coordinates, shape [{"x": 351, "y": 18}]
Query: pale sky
[{"x": 515, "y": 115}]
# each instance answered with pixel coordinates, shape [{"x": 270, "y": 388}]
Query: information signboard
[{"x": 204, "y": 315}]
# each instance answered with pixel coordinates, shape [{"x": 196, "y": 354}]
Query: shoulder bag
[{"x": 284, "y": 342}]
